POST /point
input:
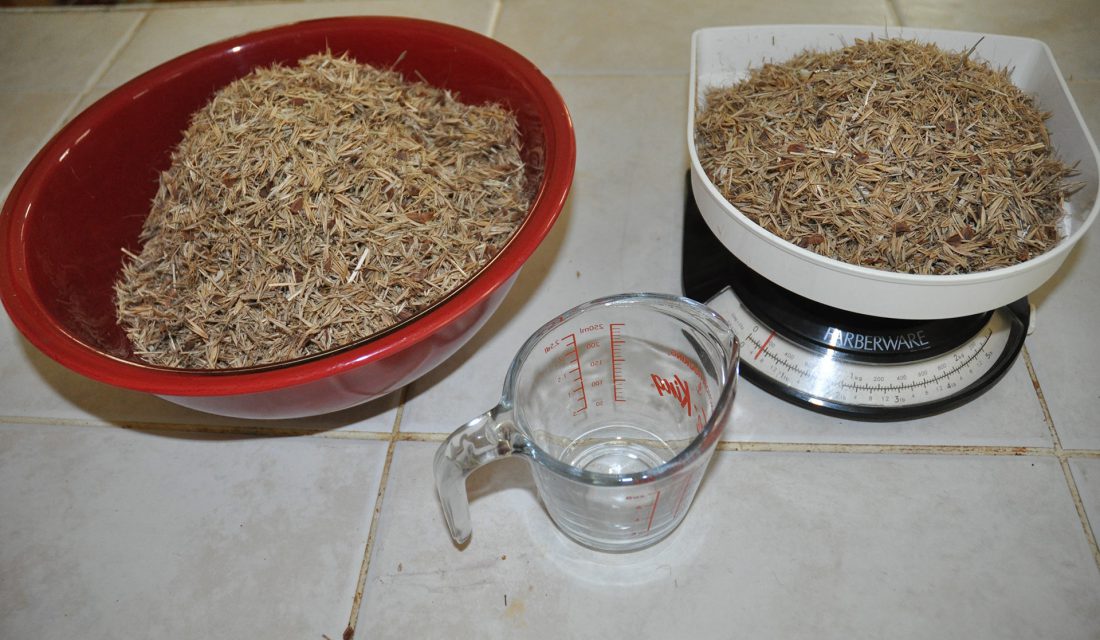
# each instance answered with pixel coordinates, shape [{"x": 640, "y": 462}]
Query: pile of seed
[
  {"x": 311, "y": 206},
  {"x": 890, "y": 154}
]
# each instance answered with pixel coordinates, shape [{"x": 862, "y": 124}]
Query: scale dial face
[
  {"x": 839, "y": 381},
  {"x": 841, "y": 363}
]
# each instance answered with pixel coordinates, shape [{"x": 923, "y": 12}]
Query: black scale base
[{"x": 708, "y": 267}]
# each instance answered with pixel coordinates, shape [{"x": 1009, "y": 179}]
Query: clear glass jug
[{"x": 618, "y": 405}]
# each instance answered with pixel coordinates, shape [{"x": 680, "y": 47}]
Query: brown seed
[{"x": 811, "y": 240}]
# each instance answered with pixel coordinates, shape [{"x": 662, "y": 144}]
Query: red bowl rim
[{"x": 26, "y": 310}]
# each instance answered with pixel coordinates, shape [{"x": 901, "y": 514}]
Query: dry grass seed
[
  {"x": 889, "y": 154},
  {"x": 312, "y": 206}
]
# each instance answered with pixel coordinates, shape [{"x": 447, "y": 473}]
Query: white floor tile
[
  {"x": 1064, "y": 350},
  {"x": 1066, "y": 26},
  {"x": 29, "y": 118},
  {"x": 776, "y": 545},
  {"x": 1087, "y": 97},
  {"x": 1086, "y": 474},
  {"x": 110, "y": 533},
  {"x": 35, "y": 386},
  {"x": 58, "y": 51},
  {"x": 577, "y": 36},
  {"x": 169, "y": 32}
]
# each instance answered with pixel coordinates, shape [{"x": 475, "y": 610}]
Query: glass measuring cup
[{"x": 617, "y": 405}]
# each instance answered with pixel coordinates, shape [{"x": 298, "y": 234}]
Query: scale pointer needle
[{"x": 764, "y": 345}]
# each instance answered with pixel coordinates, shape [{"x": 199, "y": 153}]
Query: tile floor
[{"x": 121, "y": 514}]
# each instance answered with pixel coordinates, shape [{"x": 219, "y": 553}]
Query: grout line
[
  {"x": 422, "y": 437},
  {"x": 145, "y": 6},
  {"x": 70, "y": 110},
  {"x": 55, "y": 422},
  {"x": 616, "y": 73},
  {"x": 100, "y": 71},
  {"x": 260, "y": 430},
  {"x": 812, "y": 447},
  {"x": 494, "y": 18},
  {"x": 903, "y": 449},
  {"x": 46, "y": 9},
  {"x": 364, "y": 567},
  {"x": 1063, "y": 459},
  {"x": 1078, "y": 504},
  {"x": 1080, "y": 453},
  {"x": 894, "y": 13},
  {"x": 1054, "y": 437},
  {"x": 257, "y": 430}
]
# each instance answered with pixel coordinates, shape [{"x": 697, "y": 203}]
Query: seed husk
[
  {"x": 314, "y": 205},
  {"x": 891, "y": 154}
]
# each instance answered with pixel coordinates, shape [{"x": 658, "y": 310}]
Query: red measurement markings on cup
[
  {"x": 653, "y": 511},
  {"x": 644, "y": 512},
  {"x": 574, "y": 354},
  {"x": 617, "y": 379}
]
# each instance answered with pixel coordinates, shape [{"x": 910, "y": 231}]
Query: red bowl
[{"x": 86, "y": 194}]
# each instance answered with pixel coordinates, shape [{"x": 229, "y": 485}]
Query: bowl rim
[
  {"x": 1055, "y": 254},
  {"x": 25, "y": 309}
]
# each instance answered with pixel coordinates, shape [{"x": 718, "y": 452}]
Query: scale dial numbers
[{"x": 839, "y": 384}]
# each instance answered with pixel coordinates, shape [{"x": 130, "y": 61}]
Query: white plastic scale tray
[{"x": 722, "y": 56}]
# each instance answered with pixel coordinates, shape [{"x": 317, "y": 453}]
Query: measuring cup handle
[{"x": 487, "y": 437}]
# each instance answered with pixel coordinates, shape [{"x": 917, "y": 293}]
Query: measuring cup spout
[{"x": 490, "y": 436}]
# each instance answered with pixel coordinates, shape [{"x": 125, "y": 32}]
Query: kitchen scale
[{"x": 843, "y": 363}]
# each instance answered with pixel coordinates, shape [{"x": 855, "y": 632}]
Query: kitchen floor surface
[{"x": 122, "y": 515}]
